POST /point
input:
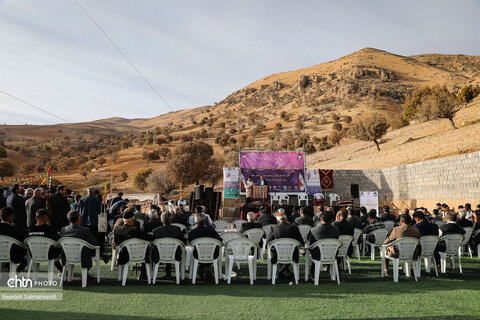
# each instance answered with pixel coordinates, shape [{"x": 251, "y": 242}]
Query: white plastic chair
[
  {"x": 137, "y": 251},
  {"x": 284, "y": 249},
  {"x": 38, "y": 248},
  {"x": 356, "y": 247},
  {"x": 238, "y": 223},
  {"x": 343, "y": 251},
  {"x": 72, "y": 248},
  {"x": 428, "y": 244},
  {"x": 389, "y": 225},
  {"x": 302, "y": 197},
  {"x": 255, "y": 234},
  {"x": 226, "y": 236},
  {"x": 167, "y": 248},
  {"x": 241, "y": 252},
  {"x": 220, "y": 225},
  {"x": 333, "y": 197},
  {"x": 267, "y": 229},
  {"x": 328, "y": 256},
  {"x": 205, "y": 248},
  {"x": 181, "y": 226},
  {"x": 380, "y": 236},
  {"x": 466, "y": 239},
  {"x": 304, "y": 230},
  {"x": 274, "y": 197},
  {"x": 283, "y": 197},
  {"x": 318, "y": 196},
  {"x": 406, "y": 249},
  {"x": 453, "y": 243},
  {"x": 5, "y": 246}
]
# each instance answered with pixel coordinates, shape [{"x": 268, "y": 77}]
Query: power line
[
  {"x": 34, "y": 106},
  {"x": 123, "y": 55}
]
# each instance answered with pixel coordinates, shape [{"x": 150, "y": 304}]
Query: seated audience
[
  {"x": 450, "y": 227},
  {"x": 344, "y": 227},
  {"x": 387, "y": 216},
  {"x": 462, "y": 221},
  {"x": 250, "y": 224},
  {"x": 425, "y": 227},
  {"x": 324, "y": 230},
  {"x": 404, "y": 230},
  {"x": 168, "y": 231},
  {"x": 373, "y": 224},
  {"x": 153, "y": 220},
  {"x": 180, "y": 216},
  {"x": 17, "y": 253},
  {"x": 266, "y": 218},
  {"x": 295, "y": 215},
  {"x": 304, "y": 218},
  {"x": 354, "y": 219}
]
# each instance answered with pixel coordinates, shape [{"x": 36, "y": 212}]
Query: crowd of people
[{"x": 29, "y": 212}]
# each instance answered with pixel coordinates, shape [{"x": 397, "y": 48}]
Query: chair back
[
  {"x": 284, "y": 197},
  {"x": 452, "y": 243},
  {"x": 302, "y": 196},
  {"x": 304, "y": 230},
  {"x": 406, "y": 247},
  {"x": 268, "y": 229},
  {"x": 181, "y": 226},
  {"x": 274, "y": 196},
  {"x": 380, "y": 236},
  {"x": 5, "y": 246},
  {"x": 328, "y": 249},
  {"x": 356, "y": 234},
  {"x": 468, "y": 234},
  {"x": 285, "y": 248},
  {"x": 241, "y": 248},
  {"x": 167, "y": 248},
  {"x": 428, "y": 244},
  {"x": 345, "y": 240},
  {"x": 39, "y": 247},
  {"x": 318, "y": 196},
  {"x": 72, "y": 247},
  {"x": 230, "y": 235},
  {"x": 137, "y": 249},
  {"x": 220, "y": 225},
  {"x": 389, "y": 225},
  {"x": 255, "y": 234},
  {"x": 206, "y": 248},
  {"x": 238, "y": 223}
]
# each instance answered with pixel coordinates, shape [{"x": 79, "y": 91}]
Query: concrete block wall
[{"x": 453, "y": 180}]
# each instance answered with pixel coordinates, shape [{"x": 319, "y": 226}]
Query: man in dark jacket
[
  {"x": 180, "y": 217},
  {"x": 387, "y": 216},
  {"x": 364, "y": 217},
  {"x": 43, "y": 229},
  {"x": 17, "y": 203},
  {"x": 32, "y": 205},
  {"x": 424, "y": 226},
  {"x": 285, "y": 230},
  {"x": 168, "y": 231},
  {"x": 250, "y": 224},
  {"x": 59, "y": 207},
  {"x": 450, "y": 227},
  {"x": 17, "y": 253},
  {"x": 203, "y": 231},
  {"x": 462, "y": 221},
  {"x": 75, "y": 230},
  {"x": 344, "y": 227},
  {"x": 89, "y": 207},
  {"x": 354, "y": 219},
  {"x": 295, "y": 215},
  {"x": 266, "y": 218},
  {"x": 303, "y": 219},
  {"x": 323, "y": 231}
]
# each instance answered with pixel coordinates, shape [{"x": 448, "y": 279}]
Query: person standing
[
  {"x": 262, "y": 181},
  {"x": 32, "y": 205},
  {"x": 59, "y": 207},
  {"x": 89, "y": 207},
  {"x": 17, "y": 203},
  {"x": 248, "y": 189}
]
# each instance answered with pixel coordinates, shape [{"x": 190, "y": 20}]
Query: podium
[{"x": 260, "y": 193}]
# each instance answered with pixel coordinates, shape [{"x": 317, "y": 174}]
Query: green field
[{"x": 362, "y": 295}]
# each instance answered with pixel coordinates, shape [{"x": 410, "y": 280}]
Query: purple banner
[{"x": 282, "y": 171}]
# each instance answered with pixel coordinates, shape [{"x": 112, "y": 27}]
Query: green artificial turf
[{"x": 361, "y": 295}]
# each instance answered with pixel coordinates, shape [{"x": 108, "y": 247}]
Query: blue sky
[{"x": 197, "y": 52}]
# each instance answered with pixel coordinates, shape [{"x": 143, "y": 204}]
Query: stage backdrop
[
  {"x": 313, "y": 181},
  {"x": 231, "y": 183},
  {"x": 283, "y": 171}
]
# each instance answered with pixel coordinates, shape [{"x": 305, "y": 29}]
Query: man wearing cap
[{"x": 168, "y": 231}]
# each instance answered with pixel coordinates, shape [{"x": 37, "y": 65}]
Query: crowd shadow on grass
[{"x": 8, "y": 314}]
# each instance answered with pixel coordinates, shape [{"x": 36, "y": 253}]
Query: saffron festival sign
[{"x": 283, "y": 171}]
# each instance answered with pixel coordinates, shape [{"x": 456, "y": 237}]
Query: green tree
[
  {"x": 7, "y": 169},
  {"x": 372, "y": 129},
  {"x": 440, "y": 104},
  {"x": 190, "y": 162},
  {"x": 124, "y": 176},
  {"x": 140, "y": 178}
]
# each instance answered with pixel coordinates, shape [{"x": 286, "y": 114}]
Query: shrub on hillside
[
  {"x": 468, "y": 93},
  {"x": 399, "y": 121},
  {"x": 140, "y": 178},
  {"x": 372, "y": 129}
]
